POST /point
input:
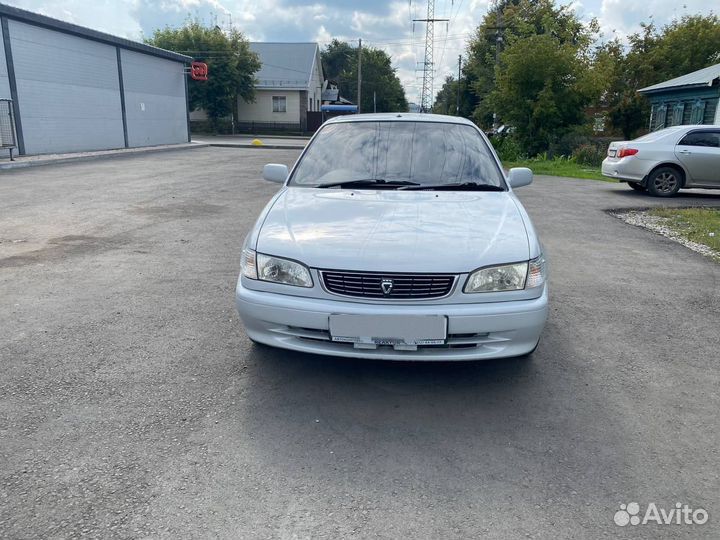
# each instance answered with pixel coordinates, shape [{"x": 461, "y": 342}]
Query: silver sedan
[
  {"x": 399, "y": 237},
  {"x": 667, "y": 160}
]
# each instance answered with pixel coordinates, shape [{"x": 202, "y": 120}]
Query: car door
[{"x": 699, "y": 152}]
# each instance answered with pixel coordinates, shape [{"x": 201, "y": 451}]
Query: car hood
[{"x": 394, "y": 231}]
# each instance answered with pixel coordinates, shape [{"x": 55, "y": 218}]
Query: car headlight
[
  {"x": 275, "y": 269},
  {"x": 507, "y": 277}
]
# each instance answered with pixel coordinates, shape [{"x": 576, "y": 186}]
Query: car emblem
[{"x": 387, "y": 286}]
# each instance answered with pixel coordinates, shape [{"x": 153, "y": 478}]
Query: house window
[
  {"x": 660, "y": 118},
  {"x": 279, "y": 103},
  {"x": 698, "y": 112},
  {"x": 678, "y": 111}
]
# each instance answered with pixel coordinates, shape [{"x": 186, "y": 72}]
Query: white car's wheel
[{"x": 664, "y": 182}]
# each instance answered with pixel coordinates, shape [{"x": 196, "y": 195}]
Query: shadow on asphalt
[
  {"x": 273, "y": 363},
  {"x": 634, "y": 196},
  {"x": 375, "y": 425}
]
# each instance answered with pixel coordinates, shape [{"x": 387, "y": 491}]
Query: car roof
[
  {"x": 400, "y": 117},
  {"x": 673, "y": 130}
]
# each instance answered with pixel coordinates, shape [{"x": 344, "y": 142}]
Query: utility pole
[
  {"x": 499, "y": 27},
  {"x": 457, "y": 106},
  {"x": 359, "y": 90},
  {"x": 374, "y": 101},
  {"x": 426, "y": 96}
]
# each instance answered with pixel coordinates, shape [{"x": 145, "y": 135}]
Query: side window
[
  {"x": 702, "y": 138},
  {"x": 279, "y": 104}
]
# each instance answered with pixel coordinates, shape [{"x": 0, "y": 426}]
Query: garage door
[
  {"x": 68, "y": 91},
  {"x": 155, "y": 105}
]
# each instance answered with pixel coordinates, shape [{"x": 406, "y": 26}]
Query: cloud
[
  {"x": 619, "y": 18},
  {"x": 386, "y": 24}
]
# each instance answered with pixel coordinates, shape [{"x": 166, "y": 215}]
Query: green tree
[
  {"x": 654, "y": 55},
  {"x": 231, "y": 65},
  {"x": 340, "y": 62},
  {"x": 542, "y": 90},
  {"x": 507, "y": 23},
  {"x": 446, "y": 98}
]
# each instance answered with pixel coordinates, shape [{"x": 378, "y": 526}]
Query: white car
[
  {"x": 664, "y": 161},
  {"x": 395, "y": 236}
]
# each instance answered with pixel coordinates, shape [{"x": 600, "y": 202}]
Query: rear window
[
  {"x": 655, "y": 135},
  {"x": 421, "y": 152}
]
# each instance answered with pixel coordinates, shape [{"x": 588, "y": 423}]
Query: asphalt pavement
[{"x": 132, "y": 405}]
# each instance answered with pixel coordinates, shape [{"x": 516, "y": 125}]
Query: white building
[
  {"x": 289, "y": 85},
  {"x": 75, "y": 89}
]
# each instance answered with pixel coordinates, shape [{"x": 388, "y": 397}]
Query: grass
[
  {"x": 701, "y": 225},
  {"x": 560, "y": 167}
]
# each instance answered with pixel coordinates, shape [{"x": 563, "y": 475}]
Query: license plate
[
  {"x": 389, "y": 329},
  {"x": 612, "y": 153}
]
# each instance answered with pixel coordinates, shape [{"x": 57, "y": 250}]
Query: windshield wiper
[
  {"x": 369, "y": 182},
  {"x": 456, "y": 186}
]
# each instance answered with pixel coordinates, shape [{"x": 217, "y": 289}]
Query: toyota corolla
[{"x": 395, "y": 236}]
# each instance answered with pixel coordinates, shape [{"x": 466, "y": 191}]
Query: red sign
[{"x": 199, "y": 71}]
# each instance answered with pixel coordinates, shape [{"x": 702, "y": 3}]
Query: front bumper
[{"x": 475, "y": 331}]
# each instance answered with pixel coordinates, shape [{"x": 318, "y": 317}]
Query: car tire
[
  {"x": 664, "y": 182},
  {"x": 636, "y": 186}
]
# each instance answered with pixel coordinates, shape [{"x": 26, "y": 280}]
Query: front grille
[{"x": 396, "y": 286}]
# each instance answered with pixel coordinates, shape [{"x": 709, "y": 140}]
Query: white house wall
[
  {"x": 315, "y": 89},
  {"x": 68, "y": 91},
  {"x": 261, "y": 110}
]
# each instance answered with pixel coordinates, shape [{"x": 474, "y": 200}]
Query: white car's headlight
[
  {"x": 507, "y": 277},
  {"x": 268, "y": 268}
]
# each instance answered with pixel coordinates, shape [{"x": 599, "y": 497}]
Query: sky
[{"x": 380, "y": 23}]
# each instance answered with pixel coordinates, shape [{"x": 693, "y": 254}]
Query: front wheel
[
  {"x": 664, "y": 182},
  {"x": 636, "y": 186}
]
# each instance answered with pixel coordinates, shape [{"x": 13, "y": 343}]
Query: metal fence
[{"x": 7, "y": 126}]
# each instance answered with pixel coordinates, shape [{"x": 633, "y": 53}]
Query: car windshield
[{"x": 390, "y": 154}]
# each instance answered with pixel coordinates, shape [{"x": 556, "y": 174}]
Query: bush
[
  {"x": 567, "y": 143},
  {"x": 507, "y": 148},
  {"x": 589, "y": 154}
]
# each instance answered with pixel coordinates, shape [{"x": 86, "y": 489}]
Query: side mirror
[
  {"x": 520, "y": 176},
  {"x": 274, "y": 172}
]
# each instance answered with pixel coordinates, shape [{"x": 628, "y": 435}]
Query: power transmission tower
[{"x": 426, "y": 95}]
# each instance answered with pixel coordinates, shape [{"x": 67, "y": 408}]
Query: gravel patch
[{"x": 662, "y": 226}]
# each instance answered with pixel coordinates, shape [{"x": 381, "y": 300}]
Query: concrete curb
[
  {"x": 267, "y": 146},
  {"x": 10, "y": 165}
]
